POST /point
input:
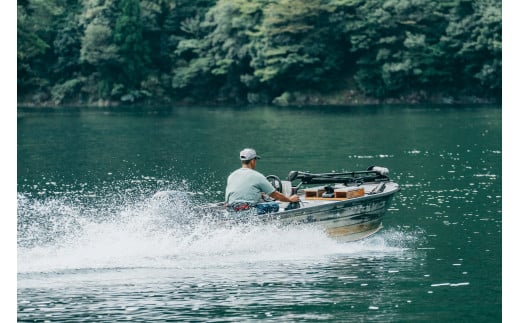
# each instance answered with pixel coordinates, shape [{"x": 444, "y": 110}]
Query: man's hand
[
  {"x": 280, "y": 197},
  {"x": 294, "y": 198}
]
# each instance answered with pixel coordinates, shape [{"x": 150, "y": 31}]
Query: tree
[
  {"x": 297, "y": 46},
  {"x": 255, "y": 50},
  {"x": 396, "y": 44},
  {"x": 132, "y": 49},
  {"x": 35, "y": 32},
  {"x": 217, "y": 55},
  {"x": 474, "y": 39},
  {"x": 164, "y": 24},
  {"x": 114, "y": 48},
  {"x": 65, "y": 73}
]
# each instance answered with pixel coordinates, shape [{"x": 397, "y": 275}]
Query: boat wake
[{"x": 167, "y": 230}]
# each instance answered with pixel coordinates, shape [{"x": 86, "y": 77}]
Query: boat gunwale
[{"x": 339, "y": 204}]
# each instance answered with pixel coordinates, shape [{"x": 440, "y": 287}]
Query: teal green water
[{"x": 94, "y": 244}]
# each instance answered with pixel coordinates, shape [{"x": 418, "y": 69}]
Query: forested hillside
[{"x": 258, "y": 51}]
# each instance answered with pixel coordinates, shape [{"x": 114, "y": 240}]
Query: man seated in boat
[{"x": 245, "y": 186}]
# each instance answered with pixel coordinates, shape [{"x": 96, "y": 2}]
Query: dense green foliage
[{"x": 256, "y": 51}]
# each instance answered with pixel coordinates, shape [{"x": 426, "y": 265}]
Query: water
[{"x": 96, "y": 245}]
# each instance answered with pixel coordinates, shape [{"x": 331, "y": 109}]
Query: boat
[{"x": 348, "y": 206}]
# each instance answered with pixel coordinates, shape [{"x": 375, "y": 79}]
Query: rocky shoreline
[{"x": 341, "y": 98}]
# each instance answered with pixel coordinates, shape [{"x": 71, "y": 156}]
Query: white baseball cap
[{"x": 248, "y": 154}]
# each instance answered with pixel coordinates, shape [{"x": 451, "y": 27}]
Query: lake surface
[{"x": 95, "y": 246}]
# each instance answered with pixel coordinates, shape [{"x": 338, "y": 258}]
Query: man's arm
[{"x": 280, "y": 197}]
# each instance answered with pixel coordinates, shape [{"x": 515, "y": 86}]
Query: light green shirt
[{"x": 246, "y": 185}]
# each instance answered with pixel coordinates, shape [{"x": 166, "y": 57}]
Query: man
[{"x": 245, "y": 185}]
